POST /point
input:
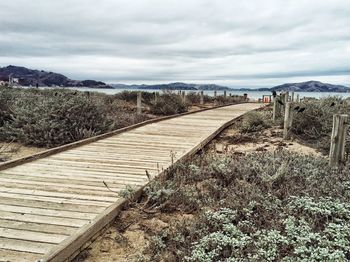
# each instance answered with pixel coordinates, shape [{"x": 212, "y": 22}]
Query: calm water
[{"x": 254, "y": 95}]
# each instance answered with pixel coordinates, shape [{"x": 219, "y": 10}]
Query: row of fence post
[
  {"x": 337, "y": 152},
  {"x": 180, "y": 93}
]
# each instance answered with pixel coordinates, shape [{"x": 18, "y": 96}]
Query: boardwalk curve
[{"x": 51, "y": 206}]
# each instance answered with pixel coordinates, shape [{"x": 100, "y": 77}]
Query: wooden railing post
[
  {"x": 215, "y": 95},
  {"x": 338, "y": 139},
  {"x": 298, "y": 99},
  {"x": 139, "y": 103},
  {"x": 225, "y": 94},
  {"x": 286, "y": 98},
  {"x": 275, "y": 109},
  {"x": 288, "y": 118},
  {"x": 183, "y": 96},
  {"x": 292, "y": 94},
  {"x": 202, "y": 98}
]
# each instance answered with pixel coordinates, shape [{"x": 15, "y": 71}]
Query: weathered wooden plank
[
  {"x": 31, "y": 236},
  {"x": 46, "y": 212},
  {"x": 37, "y": 227},
  {"x": 72, "y": 222},
  {"x": 18, "y": 256},
  {"x": 16, "y": 201},
  {"x": 58, "y": 200},
  {"x": 25, "y": 246},
  {"x": 57, "y": 194}
]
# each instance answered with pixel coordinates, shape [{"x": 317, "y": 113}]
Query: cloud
[{"x": 245, "y": 43}]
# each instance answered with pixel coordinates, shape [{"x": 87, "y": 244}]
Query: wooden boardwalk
[{"x": 51, "y": 206}]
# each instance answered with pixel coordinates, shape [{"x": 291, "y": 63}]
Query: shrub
[
  {"x": 314, "y": 125},
  {"x": 168, "y": 104},
  {"x": 50, "y": 118},
  {"x": 263, "y": 206},
  {"x": 255, "y": 121}
]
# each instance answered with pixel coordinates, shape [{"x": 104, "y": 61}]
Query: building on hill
[{"x": 4, "y": 81}]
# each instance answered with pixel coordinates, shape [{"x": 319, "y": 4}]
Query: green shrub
[
  {"x": 168, "y": 104},
  {"x": 314, "y": 125},
  {"x": 50, "y": 118},
  {"x": 262, "y": 206},
  {"x": 131, "y": 96},
  {"x": 255, "y": 121}
]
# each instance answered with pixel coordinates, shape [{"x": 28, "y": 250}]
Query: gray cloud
[{"x": 245, "y": 43}]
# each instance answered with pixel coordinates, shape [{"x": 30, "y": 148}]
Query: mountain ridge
[{"x": 33, "y": 77}]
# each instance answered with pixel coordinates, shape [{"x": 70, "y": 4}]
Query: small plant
[
  {"x": 168, "y": 104},
  {"x": 127, "y": 193},
  {"x": 255, "y": 121}
]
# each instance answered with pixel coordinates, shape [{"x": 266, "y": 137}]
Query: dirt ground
[
  {"x": 11, "y": 151},
  {"x": 129, "y": 236}
]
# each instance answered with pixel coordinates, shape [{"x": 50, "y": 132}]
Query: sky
[{"x": 251, "y": 43}]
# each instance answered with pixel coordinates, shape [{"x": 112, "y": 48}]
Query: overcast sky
[{"x": 230, "y": 42}]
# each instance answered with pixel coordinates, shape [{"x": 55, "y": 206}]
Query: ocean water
[{"x": 253, "y": 95}]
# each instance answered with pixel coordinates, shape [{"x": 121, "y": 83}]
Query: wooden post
[
  {"x": 201, "y": 98},
  {"x": 298, "y": 99},
  {"x": 286, "y": 98},
  {"x": 139, "y": 103},
  {"x": 183, "y": 96},
  {"x": 275, "y": 109},
  {"x": 292, "y": 93},
  {"x": 287, "y": 120},
  {"x": 156, "y": 95},
  {"x": 215, "y": 95},
  {"x": 338, "y": 139},
  {"x": 225, "y": 94}
]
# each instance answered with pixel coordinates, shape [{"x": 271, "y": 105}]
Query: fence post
[
  {"x": 292, "y": 94},
  {"x": 225, "y": 94},
  {"x": 338, "y": 139},
  {"x": 183, "y": 96},
  {"x": 298, "y": 99},
  {"x": 215, "y": 95},
  {"x": 156, "y": 94},
  {"x": 201, "y": 98},
  {"x": 287, "y": 120},
  {"x": 139, "y": 103},
  {"x": 286, "y": 98},
  {"x": 275, "y": 109}
]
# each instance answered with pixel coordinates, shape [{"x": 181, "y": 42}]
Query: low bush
[
  {"x": 168, "y": 104},
  {"x": 48, "y": 118},
  {"x": 314, "y": 125},
  {"x": 263, "y": 206},
  {"x": 255, "y": 121}
]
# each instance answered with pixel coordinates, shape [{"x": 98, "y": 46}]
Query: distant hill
[
  {"x": 311, "y": 86},
  {"x": 173, "y": 86},
  {"x": 30, "y": 77}
]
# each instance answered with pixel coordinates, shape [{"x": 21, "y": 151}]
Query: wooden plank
[
  {"x": 15, "y": 201},
  {"x": 60, "y": 221},
  {"x": 57, "y": 194},
  {"x": 31, "y": 236},
  {"x": 18, "y": 256},
  {"x": 116, "y": 182},
  {"x": 46, "y": 212},
  {"x": 37, "y": 227},
  {"x": 25, "y": 246},
  {"x": 58, "y": 200},
  {"x": 87, "y": 175}
]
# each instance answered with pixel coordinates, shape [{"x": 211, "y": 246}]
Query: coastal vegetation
[
  {"x": 265, "y": 204},
  {"x": 54, "y": 117}
]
